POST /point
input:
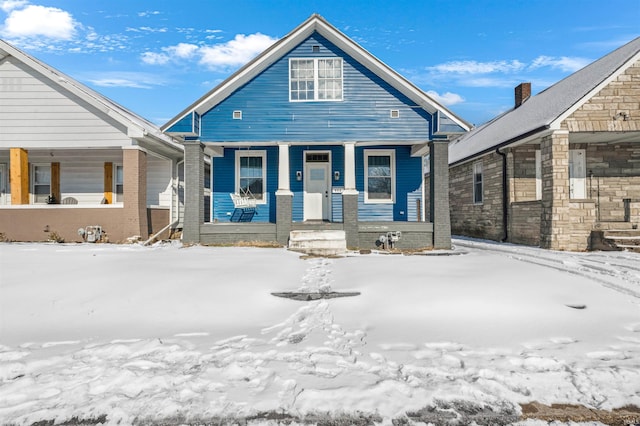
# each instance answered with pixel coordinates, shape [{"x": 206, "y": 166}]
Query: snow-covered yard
[{"x": 165, "y": 332}]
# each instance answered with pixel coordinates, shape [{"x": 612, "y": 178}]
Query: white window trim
[
  {"x": 32, "y": 181},
  {"x": 114, "y": 189},
  {"x": 477, "y": 165},
  {"x": 253, "y": 153},
  {"x": 315, "y": 80},
  {"x": 379, "y": 152}
]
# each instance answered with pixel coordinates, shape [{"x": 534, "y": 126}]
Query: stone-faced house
[
  {"x": 557, "y": 166},
  {"x": 315, "y": 134},
  {"x": 71, "y": 158}
]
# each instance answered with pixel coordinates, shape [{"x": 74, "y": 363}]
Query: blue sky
[{"x": 157, "y": 57}]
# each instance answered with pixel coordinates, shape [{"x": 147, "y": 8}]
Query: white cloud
[
  {"x": 148, "y": 13},
  {"x": 475, "y": 67},
  {"x": 43, "y": 21},
  {"x": 563, "y": 63},
  {"x": 236, "y": 52},
  {"x": 153, "y": 58},
  {"x": 126, "y": 79},
  {"x": 179, "y": 51},
  {"x": 446, "y": 98},
  {"x": 9, "y": 5}
]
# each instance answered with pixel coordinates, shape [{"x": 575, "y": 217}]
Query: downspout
[{"x": 505, "y": 194}]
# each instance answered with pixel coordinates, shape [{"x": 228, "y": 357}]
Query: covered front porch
[
  {"x": 365, "y": 190},
  {"x": 47, "y": 192}
]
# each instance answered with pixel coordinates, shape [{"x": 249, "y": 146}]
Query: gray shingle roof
[{"x": 540, "y": 111}]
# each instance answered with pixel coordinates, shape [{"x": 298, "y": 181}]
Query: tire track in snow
[{"x": 626, "y": 280}]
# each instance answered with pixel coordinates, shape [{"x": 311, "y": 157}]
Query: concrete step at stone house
[
  {"x": 623, "y": 237},
  {"x": 318, "y": 242}
]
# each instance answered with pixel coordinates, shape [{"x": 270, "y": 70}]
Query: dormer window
[{"x": 315, "y": 80}]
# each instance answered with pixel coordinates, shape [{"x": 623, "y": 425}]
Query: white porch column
[
  {"x": 284, "y": 185},
  {"x": 350, "y": 168}
]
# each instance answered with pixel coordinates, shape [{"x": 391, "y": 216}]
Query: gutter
[{"x": 505, "y": 196}]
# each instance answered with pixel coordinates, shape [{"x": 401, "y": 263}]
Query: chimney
[{"x": 523, "y": 92}]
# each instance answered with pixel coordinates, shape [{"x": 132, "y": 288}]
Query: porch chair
[
  {"x": 244, "y": 206},
  {"x": 69, "y": 200}
]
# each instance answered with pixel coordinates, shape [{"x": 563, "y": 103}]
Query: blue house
[{"x": 316, "y": 134}]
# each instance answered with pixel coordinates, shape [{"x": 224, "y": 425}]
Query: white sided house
[{"x": 71, "y": 158}]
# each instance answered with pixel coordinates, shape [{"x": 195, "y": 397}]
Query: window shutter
[{"x": 108, "y": 183}]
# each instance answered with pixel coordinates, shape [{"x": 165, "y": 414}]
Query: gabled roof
[
  {"x": 318, "y": 24},
  {"x": 547, "y": 109},
  {"x": 137, "y": 127}
]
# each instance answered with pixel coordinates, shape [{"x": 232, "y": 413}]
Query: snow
[{"x": 192, "y": 333}]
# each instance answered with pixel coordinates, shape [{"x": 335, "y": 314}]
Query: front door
[{"x": 317, "y": 185}]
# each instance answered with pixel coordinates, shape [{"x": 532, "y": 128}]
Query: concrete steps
[
  {"x": 318, "y": 242},
  {"x": 616, "y": 239}
]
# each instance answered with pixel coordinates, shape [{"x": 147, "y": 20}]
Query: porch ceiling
[{"x": 608, "y": 137}]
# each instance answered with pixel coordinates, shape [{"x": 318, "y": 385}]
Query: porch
[{"x": 340, "y": 204}]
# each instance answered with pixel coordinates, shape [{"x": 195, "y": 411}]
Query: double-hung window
[
  {"x": 379, "y": 176},
  {"x": 477, "y": 183},
  {"x": 251, "y": 174},
  {"x": 315, "y": 79},
  {"x": 41, "y": 183},
  {"x": 118, "y": 183}
]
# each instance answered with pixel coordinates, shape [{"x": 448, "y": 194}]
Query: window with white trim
[
  {"x": 379, "y": 176},
  {"x": 3, "y": 183},
  {"x": 41, "y": 183},
  {"x": 477, "y": 183},
  {"x": 118, "y": 183},
  {"x": 251, "y": 174},
  {"x": 315, "y": 79}
]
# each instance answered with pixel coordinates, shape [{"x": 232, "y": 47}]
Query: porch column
[
  {"x": 439, "y": 193},
  {"x": 134, "y": 167},
  {"x": 511, "y": 192},
  {"x": 350, "y": 196},
  {"x": 284, "y": 196},
  {"x": 19, "y": 175},
  {"x": 555, "y": 220},
  {"x": 193, "y": 191}
]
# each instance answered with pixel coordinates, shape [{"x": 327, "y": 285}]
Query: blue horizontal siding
[
  {"x": 268, "y": 115},
  {"x": 224, "y": 184},
  {"x": 408, "y": 185},
  {"x": 186, "y": 126}
]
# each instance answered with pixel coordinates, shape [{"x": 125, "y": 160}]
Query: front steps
[
  {"x": 318, "y": 243},
  {"x": 624, "y": 238}
]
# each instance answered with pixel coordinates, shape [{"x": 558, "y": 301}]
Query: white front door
[
  {"x": 577, "y": 174},
  {"x": 317, "y": 185}
]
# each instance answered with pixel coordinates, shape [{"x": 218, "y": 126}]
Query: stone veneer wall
[
  {"x": 477, "y": 220},
  {"x": 622, "y": 95}
]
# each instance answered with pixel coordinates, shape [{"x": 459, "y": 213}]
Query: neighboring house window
[
  {"x": 251, "y": 174},
  {"x": 379, "y": 176},
  {"x": 315, "y": 79},
  {"x": 118, "y": 183},
  {"x": 577, "y": 174},
  {"x": 41, "y": 183},
  {"x": 207, "y": 190},
  {"x": 538, "y": 175},
  {"x": 477, "y": 183}
]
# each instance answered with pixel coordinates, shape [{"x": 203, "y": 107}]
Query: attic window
[
  {"x": 318, "y": 79},
  {"x": 237, "y": 115},
  {"x": 315, "y": 49},
  {"x": 394, "y": 113}
]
